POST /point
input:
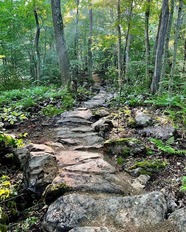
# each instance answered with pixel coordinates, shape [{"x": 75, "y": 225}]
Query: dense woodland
[
  {"x": 52, "y": 54},
  {"x": 131, "y": 43}
]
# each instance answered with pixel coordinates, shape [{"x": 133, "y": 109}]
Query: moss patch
[
  {"x": 54, "y": 191},
  {"x": 124, "y": 147},
  {"x": 149, "y": 166}
]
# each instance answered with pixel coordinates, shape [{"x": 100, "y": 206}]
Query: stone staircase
[{"x": 97, "y": 198}]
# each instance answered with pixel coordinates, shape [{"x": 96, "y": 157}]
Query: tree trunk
[
  {"x": 90, "y": 63},
  {"x": 160, "y": 47},
  {"x": 147, "y": 42},
  {"x": 177, "y": 32},
  {"x": 127, "y": 43},
  {"x": 38, "y": 59},
  {"x": 60, "y": 42},
  {"x": 75, "y": 71},
  {"x": 164, "y": 64},
  {"x": 119, "y": 46}
]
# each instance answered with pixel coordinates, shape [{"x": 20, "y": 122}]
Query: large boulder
[
  {"x": 40, "y": 169},
  {"x": 178, "y": 218},
  {"x": 115, "y": 213}
]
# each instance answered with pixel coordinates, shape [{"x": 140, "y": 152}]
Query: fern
[
  {"x": 183, "y": 186},
  {"x": 166, "y": 148}
]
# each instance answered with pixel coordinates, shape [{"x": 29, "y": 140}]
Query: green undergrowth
[
  {"x": 8, "y": 191},
  {"x": 166, "y": 147},
  {"x": 18, "y": 105},
  {"x": 149, "y": 167},
  {"x": 174, "y": 107},
  {"x": 183, "y": 184}
]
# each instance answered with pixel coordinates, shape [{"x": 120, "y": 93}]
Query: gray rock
[
  {"x": 39, "y": 147},
  {"x": 123, "y": 147},
  {"x": 90, "y": 229},
  {"x": 178, "y": 218},
  {"x": 163, "y": 132},
  {"x": 22, "y": 155},
  {"x": 142, "y": 119},
  {"x": 74, "y": 210},
  {"x": 99, "y": 100},
  {"x": 73, "y": 121},
  {"x": 140, "y": 182},
  {"x": 103, "y": 126},
  {"x": 39, "y": 171},
  {"x": 107, "y": 183},
  {"x": 101, "y": 113},
  {"x": 82, "y": 113},
  {"x": 77, "y": 138}
]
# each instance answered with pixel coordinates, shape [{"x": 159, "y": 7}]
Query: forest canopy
[{"x": 138, "y": 43}]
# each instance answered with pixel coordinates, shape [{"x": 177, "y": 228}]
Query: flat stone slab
[
  {"x": 39, "y": 147},
  {"x": 92, "y": 166},
  {"x": 73, "y": 121},
  {"x": 62, "y": 134},
  {"x": 84, "y": 162},
  {"x": 99, "y": 100},
  {"x": 78, "y": 113},
  {"x": 108, "y": 183},
  {"x": 88, "y": 139},
  {"x": 88, "y": 148},
  {"x": 69, "y": 158},
  {"x": 115, "y": 213},
  {"x": 90, "y": 229}
]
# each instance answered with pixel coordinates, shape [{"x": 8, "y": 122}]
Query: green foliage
[
  {"x": 149, "y": 166},
  {"x": 164, "y": 100},
  {"x": 82, "y": 94},
  {"x": 183, "y": 186},
  {"x": 166, "y": 148},
  {"x": 49, "y": 101},
  {"x": 25, "y": 225},
  {"x": 9, "y": 141},
  {"x": 120, "y": 160},
  {"x": 10, "y": 79},
  {"x": 7, "y": 190},
  {"x": 51, "y": 110},
  {"x": 12, "y": 116}
]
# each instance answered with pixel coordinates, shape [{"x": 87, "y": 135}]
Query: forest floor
[{"x": 168, "y": 180}]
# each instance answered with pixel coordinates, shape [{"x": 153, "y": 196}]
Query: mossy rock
[
  {"x": 54, "y": 191},
  {"x": 149, "y": 167},
  {"x": 124, "y": 147}
]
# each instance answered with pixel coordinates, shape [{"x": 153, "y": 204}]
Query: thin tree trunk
[
  {"x": 90, "y": 63},
  {"x": 64, "y": 64},
  {"x": 177, "y": 32},
  {"x": 127, "y": 43},
  {"x": 38, "y": 59},
  {"x": 164, "y": 64},
  {"x": 184, "y": 62},
  {"x": 160, "y": 47},
  {"x": 75, "y": 71},
  {"x": 147, "y": 42},
  {"x": 157, "y": 36},
  {"x": 119, "y": 46}
]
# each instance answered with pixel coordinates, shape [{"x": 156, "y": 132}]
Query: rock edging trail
[{"x": 97, "y": 197}]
